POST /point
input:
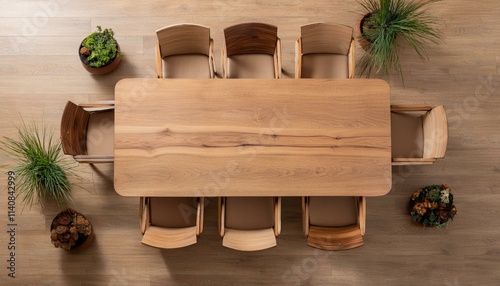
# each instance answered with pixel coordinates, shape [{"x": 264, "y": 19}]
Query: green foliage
[
  {"x": 41, "y": 171},
  {"x": 102, "y": 46},
  {"x": 434, "y": 195},
  {"x": 389, "y": 22}
]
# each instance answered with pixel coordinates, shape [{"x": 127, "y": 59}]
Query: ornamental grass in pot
[
  {"x": 389, "y": 25},
  {"x": 100, "y": 52},
  {"x": 41, "y": 170}
]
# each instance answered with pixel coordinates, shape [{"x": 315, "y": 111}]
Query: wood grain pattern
[{"x": 252, "y": 137}]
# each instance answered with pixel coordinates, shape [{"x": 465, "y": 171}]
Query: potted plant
[
  {"x": 41, "y": 174},
  {"x": 100, "y": 52},
  {"x": 41, "y": 171},
  {"x": 432, "y": 205},
  {"x": 387, "y": 26},
  {"x": 70, "y": 230}
]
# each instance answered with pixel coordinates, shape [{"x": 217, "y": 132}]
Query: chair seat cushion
[
  {"x": 173, "y": 212},
  {"x": 325, "y": 66},
  {"x": 332, "y": 211},
  {"x": 407, "y": 135},
  {"x": 249, "y": 213},
  {"x": 251, "y": 66},
  {"x": 186, "y": 66},
  {"x": 101, "y": 133}
]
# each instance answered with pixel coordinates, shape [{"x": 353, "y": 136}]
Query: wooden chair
[
  {"x": 184, "y": 51},
  {"x": 172, "y": 222},
  {"x": 87, "y": 132},
  {"x": 334, "y": 223},
  {"x": 252, "y": 50},
  {"x": 419, "y": 134},
  {"x": 249, "y": 223},
  {"x": 325, "y": 51}
]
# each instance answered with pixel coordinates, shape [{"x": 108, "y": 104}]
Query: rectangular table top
[{"x": 252, "y": 137}]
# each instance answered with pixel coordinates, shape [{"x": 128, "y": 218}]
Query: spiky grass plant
[
  {"x": 389, "y": 22},
  {"x": 41, "y": 170}
]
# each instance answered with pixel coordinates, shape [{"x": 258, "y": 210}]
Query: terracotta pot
[
  {"x": 362, "y": 40},
  {"x": 104, "y": 69},
  {"x": 83, "y": 240}
]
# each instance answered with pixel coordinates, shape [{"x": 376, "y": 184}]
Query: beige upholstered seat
[
  {"x": 325, "y": 51},
  {"x": 171, "y": 222},
  {"x": 184, "y": 51},
  {"x": 249, "y": 223},
  {"x": 87, "y": 132},
  {"x": 334, "y": 223},
  {"x": 419, "y": 134},
  {"x": 252, "y": 50}
]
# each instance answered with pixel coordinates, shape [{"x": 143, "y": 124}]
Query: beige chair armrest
[
  {"x": 159, "y": 67},
  {"x": 98, "y": 105},
  {"x": 412, "y": 161},
  {"x": 305, "y": 215},
  {"x": 94, "y": 159},
  {"x": 411, "y": 107},
  {"x": 298, "y": 58},
  {"x": 277, "y": 216},
  {"x": 144, "y": 213},
  {"x": 362, "y": 214},
  {"x": 199, "y": 215},
  {"x": 224, "y": 63},
  {"x": 221, "y": 213},
  {"x": 277, "y": 59},
  {"x": 352, "y": 58},
  {"x": 102, "y": 103},
  {"x": 211, "y": 59}
]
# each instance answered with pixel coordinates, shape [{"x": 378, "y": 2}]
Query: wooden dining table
[{"x": 252, "y": 137}]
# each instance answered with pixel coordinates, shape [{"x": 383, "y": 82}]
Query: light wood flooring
[{"x": 40, "y": 71}]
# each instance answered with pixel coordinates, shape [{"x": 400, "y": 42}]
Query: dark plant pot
[
  {"x": 104, "y": 69},
  {"x": 363, "y": 41},
  {"x": 83, "y": 240}
]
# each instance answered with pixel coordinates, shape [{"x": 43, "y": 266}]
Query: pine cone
[
  {"x": 61, "y": 229},
  {"x": 53, "y": 235},
  {"x": 64, "y": 219}
]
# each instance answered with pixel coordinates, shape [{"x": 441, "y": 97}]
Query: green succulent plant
[
  {"x": 41, "y": 171},
  {"x": 390, "y": 23},
  {"x": 99, "y": 48}
]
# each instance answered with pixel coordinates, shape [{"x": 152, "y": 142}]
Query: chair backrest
[
  {"x": 251, "y": 38},
  {"x": 74, "y": 129},
  {"x": 435, "y": 129},
  {"x": 184, "y": 39},
  {"x": 322, "y": 38}
]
